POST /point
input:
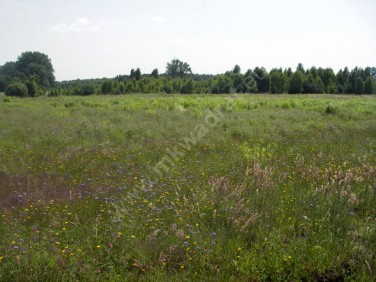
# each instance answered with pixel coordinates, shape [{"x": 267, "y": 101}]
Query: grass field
[{"x": 193, "y": 188}]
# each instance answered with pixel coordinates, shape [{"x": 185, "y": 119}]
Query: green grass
[{"x": 276, "y": 187}]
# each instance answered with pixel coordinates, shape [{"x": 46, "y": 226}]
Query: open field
[{"x": 248, "y": 188}]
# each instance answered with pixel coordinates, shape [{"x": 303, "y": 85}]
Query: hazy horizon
[{"x": 96, "y": 39}]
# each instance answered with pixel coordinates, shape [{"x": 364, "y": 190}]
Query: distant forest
[{"x": 33, "y": 75}]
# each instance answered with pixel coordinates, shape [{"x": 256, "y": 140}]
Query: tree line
[{"x": 32, "y": 75}]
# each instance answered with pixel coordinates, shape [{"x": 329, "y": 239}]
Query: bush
[
  {"x": 17, "y": 89},
  {"x": 331, "y": 109}
]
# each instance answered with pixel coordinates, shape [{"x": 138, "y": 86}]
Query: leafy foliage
[
  {"x": 33, "y": 68},
  {"x": 17, "y": 89},
  {"x": 177, "y": 68},
  {"x": 297, "y": 83}
]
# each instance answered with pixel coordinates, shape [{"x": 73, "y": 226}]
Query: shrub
[
  {"x": 17, "y": 89},
  {"x": 331, "y": 109}
]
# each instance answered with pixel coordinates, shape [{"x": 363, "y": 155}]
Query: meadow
[{"x": 188, "y": 188}]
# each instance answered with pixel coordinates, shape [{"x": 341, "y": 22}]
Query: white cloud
[
  {"x": 79, "y": 25},
  {"x": 158, "y": 19}
]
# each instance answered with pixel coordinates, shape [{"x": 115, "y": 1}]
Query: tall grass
[{"x": 280, "y": 189}]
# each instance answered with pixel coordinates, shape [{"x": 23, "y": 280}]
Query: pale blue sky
[{"x": 94, "y": 39}]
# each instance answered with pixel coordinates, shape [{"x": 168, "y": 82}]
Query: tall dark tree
[
  {"x": 313, "y": 84},
  {"x": 250, "y": 84},
  {"x": 342, "y": 79},
  {"x": 135, "y": 74},
  {"x": 359, "y": 86},
  {"x": 296, "y": 83},
  {"x": 237, "y": 69},
  {"x": 373, "y": 73},
  {"x": 329, "y": 80},
  {"x": 368, "y": 86},
  {"x": 262, "y": 79},
  {"x": 177, "y": 68},
  {"x": 300, "y": 68},
  {"x": 278, "y": 81},
  {"x": 155, "y": 73}
]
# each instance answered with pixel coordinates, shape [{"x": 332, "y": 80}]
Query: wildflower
[
  {"x": 1, "y": 258},
  {"x": 98, "y": 246}
]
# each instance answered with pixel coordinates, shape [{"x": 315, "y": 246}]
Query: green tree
[
  {"x": 262, "y": 79},
  {"x": 250, "y": 84},
  {"x": 278, "y": 81},
  {"x": 107, "y": 87},
  {"x": 177, "y": 68},
  {"x": 329, "y": 80},
  {"x": 155, "y": 73},
  {"x": 300, "y": 68},
  {"x": 33, "y": 87},
  {"x": 10, "y": 74},
  {"x": 342, "y": 79},
  {"x": 297, "y": 83},
  {"x": 188, "y": 86},
  {"x": 313, "y": 85},
  {"x": 223, "y": 85},
  {"x": 136, "y": 74},
  {"x": 237, "y": 69},
  {"x": 17, "y": 89},
  {"x": 85, "y": 89},
  {"x": 359, "y": 86},
  {"x": 368, "y": 86},
  {"x": 39, "y": 65}
]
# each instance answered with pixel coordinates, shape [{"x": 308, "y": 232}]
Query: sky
[{"x": 96, "y": 39}]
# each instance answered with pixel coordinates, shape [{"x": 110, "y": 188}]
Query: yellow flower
[
  {"x": 1, "y": 258},
  {"x": 98, "y": 246}
]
